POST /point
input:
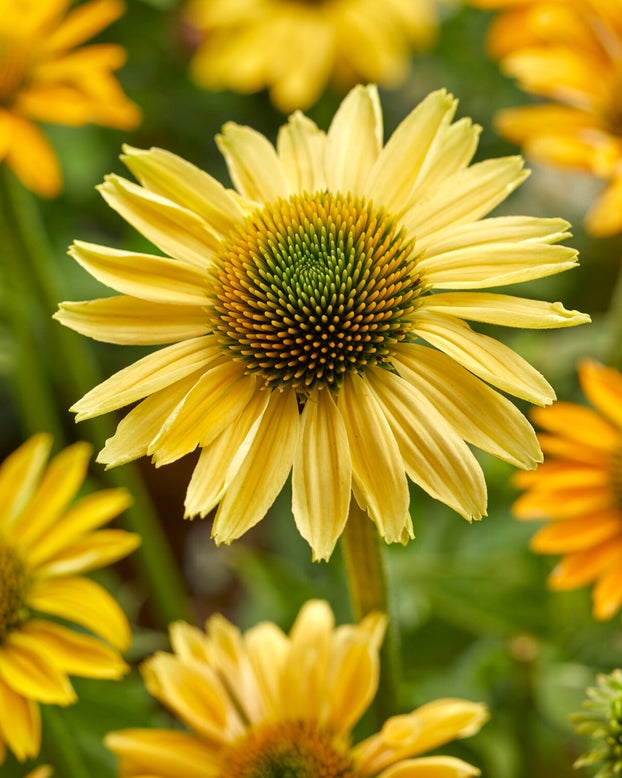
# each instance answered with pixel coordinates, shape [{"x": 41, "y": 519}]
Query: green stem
[
  {"x": 76, "y": 373},
  {"x": 613, "y": 353},
  {"x": 60, "y": 746},
  {"x": 363, "y": 552}
]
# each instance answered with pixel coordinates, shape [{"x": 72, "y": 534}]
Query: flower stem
[
  {"x": 363, "y": 551},
  {"x": 70, "y": 362},
  {"x": 60, "y": 745}
]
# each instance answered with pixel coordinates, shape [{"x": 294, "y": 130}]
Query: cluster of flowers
[{"x": 314, "y": 322}]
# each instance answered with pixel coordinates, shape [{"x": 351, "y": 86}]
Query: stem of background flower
[
  {"x": 60, "y": 746},
  {"x": 613, "y": 355},
  {"x": 363, "y": 553},
  {"x": 34, "y": 283}
]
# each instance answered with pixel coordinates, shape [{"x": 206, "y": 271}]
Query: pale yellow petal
[
  {"x": 215, "y": 401},
  {"x": 459, "y": 396},
  {"x": 377, "y": 465},
  {"x": 19, "y": 475},
  {"x": 58, "y": 486},
  {"x": 71, "y": 651},
  {"x": 130, "y": 321},
  {"x": 180, "y": 181},
  {"x": 20, "y": 723},
  {"x": 167, "y": 753},
  {"x": 466, "y": 196},
  {"x": 254, "y": 166},
  {"x": 485, "y": 356},
  {"x": 29, "y": 672},
  {"x": 354, "y": 141},
  {"x": 395, "y": 172},
  {"x": 98, "y": 549},
  {"x": 151, "y": 373},
  {"x": 267, "y": 648},
  {"x": 504, "y": 310},
  {"x": 219, "y": 460},
  {"x": 195, "y": 694},
  {"x": 434, "y": 455},
  {"x": 157, "y": 279},
  {"x": 300, "y": 146},
  {"x": 175, "y": 230},
  {"x": 188, "y": 642},
  {"x": 494, "y": 264},
  {"x": 321, "y": 475},
  {"x": 140, "y": 426},
  {"x": 86, "y": 603},
  {"x": 431, "y": 767},
  {"x": 260, "y": 471}
]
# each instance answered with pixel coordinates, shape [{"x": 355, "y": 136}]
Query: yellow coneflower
[
  {"x": 45, "y": 544},
  {"x": 265, "y": 703},
  {"x": 301, "y": 308},
  {"x": 44, "y": 77},
  {"x": 295, "y": 47},
  {"x": 579, "y": 489},
  {"x": 570, "y": 53}
]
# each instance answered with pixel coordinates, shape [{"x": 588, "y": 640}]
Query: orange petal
[{"x": 563, "y": 537}]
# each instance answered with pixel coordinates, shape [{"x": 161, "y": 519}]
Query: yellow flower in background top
[
  {"x": 45, "y": 543},
  {"x": 45, "y": 78},
  {"x": 579, "y": 489},
  {"x": 571, "y": 53},
  {"x": 301, "y": 308},
  {"x": 265, "y": 703},
  {"x": 295, "y": 47}
]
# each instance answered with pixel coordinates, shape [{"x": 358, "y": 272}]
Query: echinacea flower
[
  {"x": 603, "y": 723},
  {"x": 296, "y": 48},
  {"x": 266, "y": 703},
  {"x": 44, "y": 77},
  {"x": 578, "y": 489},
  {"x": 301, "y": 308},
  {"x": 45, "y": 544},
  {"x": 571, "y": 54}
]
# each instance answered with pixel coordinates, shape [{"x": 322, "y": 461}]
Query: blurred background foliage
[{"x": 477, "y": 620}]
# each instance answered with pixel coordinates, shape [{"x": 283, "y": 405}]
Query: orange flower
[
  {"x": 570, "y": 53},
  {"x": 579, "y": 489},
  {"x": 45, "y": 78}
]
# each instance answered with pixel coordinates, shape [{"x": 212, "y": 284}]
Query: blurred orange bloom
[
  {"x": 579, "y": 489},
  {"x": 45, "y": 78}
]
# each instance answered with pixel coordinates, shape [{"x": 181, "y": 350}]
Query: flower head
[
  {"x": 571, "y": 54},
  {"x": 604, "y": 725},
  {"x": 266, "y": 703},
  {"x": 579, "y": 489},
  {"x": 45, "y": 543},
  {"x": 301, "y": 308},
  {"x": 295, "y": 47},
  {"x": 44, "y": 77}
]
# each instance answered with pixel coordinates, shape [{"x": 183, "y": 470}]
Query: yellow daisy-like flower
[
  {"x": 295, "y": 47},
  {"x": 267, "y": 704},
  {"x": 571, "y": 53},
  {"x": 45, "y": 543},
  {"x": 303, "y": 305},
  {"x": 45, "y": 78},
  {"x": 579, "y": 488}
]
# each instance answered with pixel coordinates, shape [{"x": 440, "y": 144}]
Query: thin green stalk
[
  {"x": 363, "y": 552},
  {"x": 613, "y": 354},
  {"x": 76, "y": 373},
  {"x": 60, "y": 746}
]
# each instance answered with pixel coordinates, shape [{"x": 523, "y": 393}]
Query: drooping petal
[
  {"x": 20, "y": 723},
  {"x": 322, "y": 475},
  {"x": 431, "y": 767}
]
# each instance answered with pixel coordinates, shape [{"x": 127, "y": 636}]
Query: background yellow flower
[
  {"x": 45, "y": 77},
  {"x": 267, "y": 703},
  {"x": 579, "y": 489},
  {"x": 45, "y": 544},
  {"x": 294, "y": 48}
]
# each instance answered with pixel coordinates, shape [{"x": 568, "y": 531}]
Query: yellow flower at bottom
[
  {"x": 43, "y": 771},
  {"x": 295, "y": 48},
  {"x": 579, "y": 488},
  {"x": 318, "y": 319},
  {"x": 264, "y": 703},
  {"x": 45, "y": 543},
  {"x": 44, "y": 77}
]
